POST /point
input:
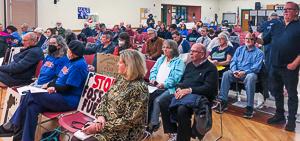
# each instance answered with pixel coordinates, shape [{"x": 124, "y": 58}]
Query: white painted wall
[
  {"x": 110, "y": 12},
  {"x": 208, "y": 7},
  {"x": 230, "y": 6},
  {"x": 2, "y": 12}
]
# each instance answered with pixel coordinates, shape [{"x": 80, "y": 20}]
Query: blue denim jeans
[
  {"x": 249, "y": 82},
  {"x": 156, "y": 109}
]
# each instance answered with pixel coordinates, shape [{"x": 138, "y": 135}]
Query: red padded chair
[
  {"x": 91, "y": 40},
  {"x": 149, "y": 65},
  {"x": 89, "y": 59},
  {"x": 38, "y": 69},
  {"x": 74, "y": 122}
]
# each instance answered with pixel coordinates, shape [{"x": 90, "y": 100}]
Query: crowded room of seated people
[{"x": 149, "y": 70}]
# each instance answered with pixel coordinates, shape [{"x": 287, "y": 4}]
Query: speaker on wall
[{"x": 257, "y": 5}]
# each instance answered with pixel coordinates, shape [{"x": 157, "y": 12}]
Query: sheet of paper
[
  {"x": 1, "y": 60},
  {"x": 151, "y": 89},
  {"x": 37, "y": 90},
  {"x": 31, "y": 89},
  {"x": 22, "y": 90}
]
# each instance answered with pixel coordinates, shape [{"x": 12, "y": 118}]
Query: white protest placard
[
  {"x": 95, "y": 87},
  {"x": 11, "y": 103}
]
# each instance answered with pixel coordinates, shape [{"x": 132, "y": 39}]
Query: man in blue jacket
[{"x": 22, "y": 69}]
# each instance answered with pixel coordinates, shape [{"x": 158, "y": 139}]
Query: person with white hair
[
  {"x": 215, "y": 42},
  {"x": 87, "y": 31},
  {"x": 40, "y": 36},
  {"x": 221, "y": 55},
  {"x": 60, "y": 29},
  {"x": 24, "y": 29},
  {"x": 153, "y": 45},
  {"x": 22, "y": 69}
]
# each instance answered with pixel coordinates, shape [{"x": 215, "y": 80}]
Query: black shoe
[
  {"x": 220, "y": 108},
  {"x": 290, "y": 126},
  {"x": 276, "y": 119},
  {"x": 153, "y": 128},
  {"x": 6, "y": 132},
  {"x": 249, "y": 112},
  {"x": 18, "y": 135}
]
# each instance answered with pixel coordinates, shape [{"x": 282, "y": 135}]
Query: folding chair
[{"x": 74, "y": 122}]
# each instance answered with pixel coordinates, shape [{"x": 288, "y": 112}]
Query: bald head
[
  {"x": 199, "y": 47},
  {"x": 198, "y": 53}
]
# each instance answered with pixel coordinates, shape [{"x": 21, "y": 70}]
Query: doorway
[{"x": 21, "y": 11}]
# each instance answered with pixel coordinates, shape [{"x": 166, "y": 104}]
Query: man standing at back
[{"x": 285, "y": 56}]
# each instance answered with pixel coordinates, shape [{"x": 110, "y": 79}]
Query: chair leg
[{"x": 221, "y": 121}]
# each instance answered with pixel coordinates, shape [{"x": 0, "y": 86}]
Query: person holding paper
[
  {"x": 122, "y": 113},
  {"x": 165, "y": 74},
  {"x": 63, "y": 95}
]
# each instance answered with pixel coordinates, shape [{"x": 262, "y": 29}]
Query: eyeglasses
[
  {"x": 166, "y": 47},
  {"x": 196, "y": 51},
  {"x": 252, "y": 39}
]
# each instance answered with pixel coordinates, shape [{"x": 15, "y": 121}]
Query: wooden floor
[{"x": 236, "y": 128}]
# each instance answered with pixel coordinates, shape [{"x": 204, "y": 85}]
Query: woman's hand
[
  {"x": 91, "y": 129},
  {"x": 160, "y": 86},
  {"x": 100, "y": 120},
  {"x": 51, "y": 90}
]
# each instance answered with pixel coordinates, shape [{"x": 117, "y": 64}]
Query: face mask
[
  {"x": 121, "y": 43},
  {"x": 52, "y": 48}
]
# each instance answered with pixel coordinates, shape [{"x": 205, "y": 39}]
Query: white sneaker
[{"x": 172, "y": 137}]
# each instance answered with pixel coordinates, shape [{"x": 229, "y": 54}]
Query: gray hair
[
  {"x": 224, "y": 36},
  {"x": 151, "y": 29},
  {"x": 63, "y": 46},
  {"x": 32, "y": 36},
  {"x": 174, "y": 46}
]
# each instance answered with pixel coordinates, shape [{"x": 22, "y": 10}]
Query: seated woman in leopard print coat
[{"x": 121, "y": 116}]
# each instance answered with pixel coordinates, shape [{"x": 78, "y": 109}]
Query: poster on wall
[{"x": 83, "y": 12}]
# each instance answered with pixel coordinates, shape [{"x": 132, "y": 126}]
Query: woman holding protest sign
[
  {"x": 123, "y": 110},
  {"x": 63, "y": 94}
]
